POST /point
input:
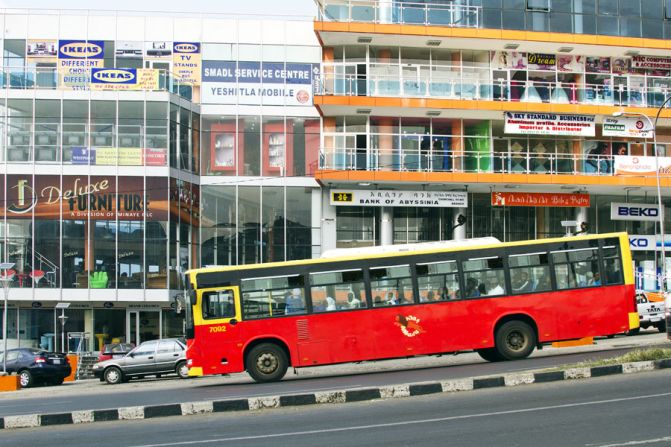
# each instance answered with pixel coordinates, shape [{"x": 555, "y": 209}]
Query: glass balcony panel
[
  {"x": 413, "y": 14},
  {"x": 363, "y": 12}
]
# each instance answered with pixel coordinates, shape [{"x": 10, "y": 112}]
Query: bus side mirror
[{"x": 192, "y": 297}]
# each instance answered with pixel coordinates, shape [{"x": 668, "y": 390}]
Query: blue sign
[
  {"x": 114, "y": 76},
  {"x": 83, "y": 156},
  {"x": 81, "y": 49},
  {"x": 258, "y": 72}
]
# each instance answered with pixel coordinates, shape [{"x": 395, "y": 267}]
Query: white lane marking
[
  {"x": 641, "y": 442},
  {"x": 402, "y": 423}
]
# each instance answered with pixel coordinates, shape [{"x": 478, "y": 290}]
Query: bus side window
[
  {"x": 393, "y": 284},
  {"x": 611, "y": 257},
  {"x": 529, "y": 273},
  {"x": 438, "y": 281},
  {"x": 337, "y": 290},
  {"x": 218, "y": 304},
  {"x": 577, "y": 268}
]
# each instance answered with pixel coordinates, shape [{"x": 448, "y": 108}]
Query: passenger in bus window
[
  {"x": 596, "y": 279},
  {"x": 493, "y": 286},
  {"x": 442, "y": 294},
  {"x": 377, "y": 301},
  {"x": 543, "y": 284},
  {"x": 391, "y": 299},
  {"x": 294, "y": 302},
  {"x": 352, "y": 301},
  {"x": 471, "y": 288},
  {"x": 522, "y": 283},
  {"x": 320, "y": 306},
  {"x": 430, "y": 296},
  {"x": 330, "y": 304}
]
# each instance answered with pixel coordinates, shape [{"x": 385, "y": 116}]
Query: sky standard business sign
[{"x": 549, "y": 124}]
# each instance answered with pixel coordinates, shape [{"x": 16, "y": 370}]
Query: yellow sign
[
  {"x": 130, "y": 156},
  {"x": 342, "y": 196},
  {"x": 186, "y": 61},
  {"x": 106, "y": 156}
]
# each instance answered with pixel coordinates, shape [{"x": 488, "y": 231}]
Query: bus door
[{"x": 220, "y": 312}]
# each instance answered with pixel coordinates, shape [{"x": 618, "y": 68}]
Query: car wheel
[
  {"x": 113, "y": 375},
  {"x": 26, "y": 379},
  {"x": 266, "y": 362},
  {"x": 182, "y": 370}
]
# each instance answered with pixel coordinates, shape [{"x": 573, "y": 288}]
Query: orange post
[
  {"x": 9, "y": 383},
  {"x": 74, "y": 360}
]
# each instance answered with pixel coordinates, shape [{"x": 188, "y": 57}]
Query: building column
[
  {"x": 329, "y": 235},
  {"x": 386, "y": 226},
  {"x": 459, "y": 232},
  {"x": 580, "y": 218}
]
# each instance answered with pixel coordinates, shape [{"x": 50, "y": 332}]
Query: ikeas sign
[{"x": 634, "y": 211}]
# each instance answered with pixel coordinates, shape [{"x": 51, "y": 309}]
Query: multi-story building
[
  {"x": 138, "y": 145},
  {"x": 503, "y": 111}
]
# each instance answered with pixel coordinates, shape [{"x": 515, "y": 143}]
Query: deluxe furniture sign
[
  {"x": 549, "y": 124},
  {"x": 252, "y": 82}
]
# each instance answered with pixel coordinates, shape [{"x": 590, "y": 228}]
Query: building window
[{"x": 538, "y": 5}]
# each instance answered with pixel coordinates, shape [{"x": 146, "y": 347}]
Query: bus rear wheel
[
  {"x": 490, "y": 354},
  {"x": 266, "y": 362},
  {"x": 515, "y": 340}
]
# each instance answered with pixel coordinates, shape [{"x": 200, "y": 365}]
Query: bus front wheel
[
  {"x": 515, "y": 340},
  {"x": 267, "y": 362}
]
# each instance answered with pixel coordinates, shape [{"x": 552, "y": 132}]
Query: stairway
[{"x": 85, "y": 367}]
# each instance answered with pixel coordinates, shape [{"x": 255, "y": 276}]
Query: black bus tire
[
  {"x": 490, "y": 354},
  {"x": 266, "y": 362},
  {"x": 515, "y": 340}
]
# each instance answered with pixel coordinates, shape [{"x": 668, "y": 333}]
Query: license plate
[{"x": 56, "y": 361}]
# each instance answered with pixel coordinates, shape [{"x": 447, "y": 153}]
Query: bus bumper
[
  {"x": 195, "y": 371},
  {"x": 634, "y": 321}
]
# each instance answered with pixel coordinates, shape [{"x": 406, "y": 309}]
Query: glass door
[{"x": 142, "y": 325}]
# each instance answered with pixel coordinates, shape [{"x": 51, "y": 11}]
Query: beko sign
[{"x": 634, "y": 211}]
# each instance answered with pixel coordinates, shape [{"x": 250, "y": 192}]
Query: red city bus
[{"x": 501, "y": 300}]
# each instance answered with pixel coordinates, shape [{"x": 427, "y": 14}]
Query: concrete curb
[{"x": 328, "y": 397}]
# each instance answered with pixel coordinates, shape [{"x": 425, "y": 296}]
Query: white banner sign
[
  {"x": 626, "y": 126},
  {"x": 549, "y": 124},
  {"x": 435, "y": 199},
  {"x": 641, "y": 165},
  {"x": 638, "y": 242},
  {"x": 651, "y": 62},
  {"x": 634, "y": 211}
]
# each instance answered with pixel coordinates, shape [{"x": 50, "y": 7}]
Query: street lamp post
[
  {"x": 6, "y": 276},
  {"x": 662, "y": 276}
]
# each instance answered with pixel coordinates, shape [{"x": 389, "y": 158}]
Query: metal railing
[
  {"x": 413, "y": 160},
  {"x": 387, "y": 11},
  {"x": 461, "y": 86},
  {"x": 41, "y": 78}
]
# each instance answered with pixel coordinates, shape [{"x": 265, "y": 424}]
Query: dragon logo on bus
[{"x": 409, "y": 325}]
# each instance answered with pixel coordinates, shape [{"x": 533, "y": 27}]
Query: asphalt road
[
  {"x": 611, "y": 411},
  {"x": 92, "y": 395}
]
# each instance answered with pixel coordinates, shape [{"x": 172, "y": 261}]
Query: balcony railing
[
  {"x": 412, "y": 160},
  {"x": 381, "y": 11},
  {"x": 31, "y": 78},
  {"x": 473, "y": 89}
]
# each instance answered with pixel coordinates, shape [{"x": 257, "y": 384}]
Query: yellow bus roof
[{"x": 363, "y": 256}]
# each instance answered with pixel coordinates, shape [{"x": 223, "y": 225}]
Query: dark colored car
[
  {"x": 115, "y": 351},
  {"x": 37, "y": 366},
  {"x": 151, "y": 358}
]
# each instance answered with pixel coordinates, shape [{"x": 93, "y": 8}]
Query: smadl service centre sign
[{"x": 268, "y": 83}]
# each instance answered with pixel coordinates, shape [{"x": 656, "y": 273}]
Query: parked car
[
  {"x": 115, "y": 351},
  {"x": 650, "y": 307},
  {"x": 37, "y": 366},
  {"x": 151, "y": 358}
]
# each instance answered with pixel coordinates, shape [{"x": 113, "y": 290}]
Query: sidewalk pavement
[{"x": 345, "y": 395}]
